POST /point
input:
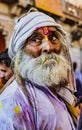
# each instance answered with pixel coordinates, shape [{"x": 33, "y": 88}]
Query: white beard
[{"x": 47, "y": 69}]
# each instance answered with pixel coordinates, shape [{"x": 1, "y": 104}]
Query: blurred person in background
[
  {"x": 5, "y": 70},
  {"x": 79, "y": 104},
  {"x": 41, "y": 96},
  {"x": 78, "y": 93},
  {"x": 78, "y": 79}
]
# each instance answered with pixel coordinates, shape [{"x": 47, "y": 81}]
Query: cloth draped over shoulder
[{"x": 47, "y": 112}]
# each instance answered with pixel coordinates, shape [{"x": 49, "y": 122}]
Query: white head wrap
[{"x": 25, "y": 27}]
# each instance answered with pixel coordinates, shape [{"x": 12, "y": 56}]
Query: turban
[{"x": 25, "y": 27}]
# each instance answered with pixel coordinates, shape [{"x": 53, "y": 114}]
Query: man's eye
[
  {"x": 52, "y": 38},
  {"x": 36, "y": 40}
]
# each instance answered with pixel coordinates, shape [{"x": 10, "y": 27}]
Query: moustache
[{"x": 50, "y": 59}]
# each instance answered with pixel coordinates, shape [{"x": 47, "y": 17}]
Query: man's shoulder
[{"x": 13, "y": 93}]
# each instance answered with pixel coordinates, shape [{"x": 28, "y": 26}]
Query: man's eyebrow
[
  {"x": 35, "y": 34},
  {"x": 3, "y": 70},
  {"x": 54, "y": 32}
]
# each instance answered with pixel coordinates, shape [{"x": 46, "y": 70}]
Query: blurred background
[{"x": 66, "y": 12}]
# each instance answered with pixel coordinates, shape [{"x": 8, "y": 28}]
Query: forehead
[
  {"x": 45, "y": 30},
  {"x": 3, "y": 66}
]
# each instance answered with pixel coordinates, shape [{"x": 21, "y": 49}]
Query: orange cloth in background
[
  {"x": 74, "y": 112},
  {"x": 1, "y": 84}
]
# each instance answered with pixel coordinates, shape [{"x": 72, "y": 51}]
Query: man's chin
[
  {"x": 56, "y": 83},
  {"x": 4, "y": 81}
]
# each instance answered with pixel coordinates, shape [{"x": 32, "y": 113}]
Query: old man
[{"x": 41, "y": 95}]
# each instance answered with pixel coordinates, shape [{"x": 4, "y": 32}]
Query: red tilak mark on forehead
[{"x": 45, "y": 30}]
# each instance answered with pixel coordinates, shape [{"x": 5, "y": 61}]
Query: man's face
[
  {"x": 42, "y": 60},
  {"x": 5, "y": 73},
  {"x": 44, "y": 39}
]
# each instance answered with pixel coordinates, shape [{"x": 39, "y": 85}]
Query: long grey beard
[{"x": 47, "y": 69}]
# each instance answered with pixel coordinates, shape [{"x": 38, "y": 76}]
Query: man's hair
[
  {"x": 74, "y": 65},
  {"x": 4, "y": 58}
]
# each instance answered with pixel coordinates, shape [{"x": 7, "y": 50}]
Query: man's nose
[{"x": 47, "y": 46}]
